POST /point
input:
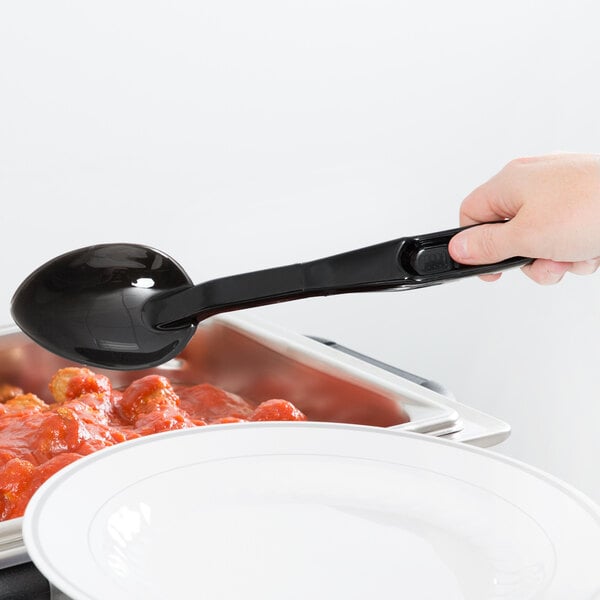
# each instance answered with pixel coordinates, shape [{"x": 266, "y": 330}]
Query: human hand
[{"x": 553, "y": 206}]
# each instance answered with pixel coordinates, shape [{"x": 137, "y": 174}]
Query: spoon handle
[{"x": 404, "y": 263}]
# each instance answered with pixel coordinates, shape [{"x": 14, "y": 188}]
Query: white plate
[{"x": 310, "y": 510}]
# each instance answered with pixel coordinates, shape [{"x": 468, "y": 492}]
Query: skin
[{"x": 551, "y": 205}]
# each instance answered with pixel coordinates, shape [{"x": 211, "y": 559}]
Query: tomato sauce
[{"x": 38, "y": 439}]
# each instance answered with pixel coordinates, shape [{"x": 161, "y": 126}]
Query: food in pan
[{"x": 37, "y": 439}]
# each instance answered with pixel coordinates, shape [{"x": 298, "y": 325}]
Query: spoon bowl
[{"x": 87, "y": 306}]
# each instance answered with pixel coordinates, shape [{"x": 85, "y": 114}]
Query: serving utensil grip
[{"x": 404, "y": 263}]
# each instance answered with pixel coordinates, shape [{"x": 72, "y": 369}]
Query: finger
[
  {"x": 490, "y": 277},
  {"x": 485, "y": 244},
  {"x": 496, "y": 200},
  {"x": 585, "y": 267},
  {"x": 480, "y": 206},
  {"x": 546, "y": 272}
]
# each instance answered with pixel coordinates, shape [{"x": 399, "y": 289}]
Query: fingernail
[
  {"x": 552, "y": 278},
  {"x": 460, "y": 247}
]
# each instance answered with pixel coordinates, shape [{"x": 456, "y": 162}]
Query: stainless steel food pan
[{"x": 260, "y": 361}]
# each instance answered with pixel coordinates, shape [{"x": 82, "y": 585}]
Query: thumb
[{"x": 483, "y": 244}]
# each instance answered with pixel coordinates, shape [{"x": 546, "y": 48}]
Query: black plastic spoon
[{"x": 126, "y": 306}]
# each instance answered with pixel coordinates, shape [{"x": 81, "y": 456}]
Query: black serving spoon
[{"x": 126, "y": 306}]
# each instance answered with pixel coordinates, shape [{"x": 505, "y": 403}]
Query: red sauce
[{"x": 38, "y": 439}]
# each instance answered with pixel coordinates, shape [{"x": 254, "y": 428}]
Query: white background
[{"x": 240, "y": 135}]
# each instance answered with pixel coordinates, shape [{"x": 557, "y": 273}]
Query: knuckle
[
  {"x": 515, "y": 163},
  {"x": 488, "y": 243}
]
